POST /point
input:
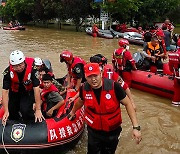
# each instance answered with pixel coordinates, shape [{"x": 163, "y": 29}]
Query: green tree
[
  {"x": 18, "y": 9},
  {"x": 77, "y": 10}
]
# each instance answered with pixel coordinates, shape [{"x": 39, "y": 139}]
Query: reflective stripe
[{"x": 89, "y": 120}]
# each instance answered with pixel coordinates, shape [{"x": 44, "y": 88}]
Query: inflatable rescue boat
[
  {"x": 160, "y": 83},
  {"x": 54, "y": 134},
  {"x": 14, "y": 28}
]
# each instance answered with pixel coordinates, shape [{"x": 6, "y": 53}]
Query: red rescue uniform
[
  {"x": 174, "y": 65},
  {"x": 106, "y": 115},
  {"x": 26, "y": 80},
  {"x": 123, "y": 63}
]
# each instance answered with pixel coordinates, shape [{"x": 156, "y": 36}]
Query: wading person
[
  {"x": 123, "y": 61},
  {"x": 102, "y": 99},
  {"x": 21, "y": 89}
]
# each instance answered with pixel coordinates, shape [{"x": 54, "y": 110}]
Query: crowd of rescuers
[{"x": 24, "y": 89}]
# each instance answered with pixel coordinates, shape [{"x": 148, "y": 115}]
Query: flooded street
[{"x": 160, "y": 122}]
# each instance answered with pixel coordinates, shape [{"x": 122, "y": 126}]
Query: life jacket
[
  {"x": 151, "y": 50},
  {"x": 123, "y": 59},
  {"x": 76, "y": 60},
  {"x": 174, "y": 63},
  {"x": 105, "y": 116},
  {"x": 27, "y": 76},
  {"x": 45, "y": 92},
  {"x": 119, "y": 60}
]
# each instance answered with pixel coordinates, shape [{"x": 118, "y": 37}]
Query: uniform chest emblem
[
  {"x": 11, "y": 74},
  {"x": 108, "y": 96}
]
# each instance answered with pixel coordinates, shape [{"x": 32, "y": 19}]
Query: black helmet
[{"x": 98, "y": 58}]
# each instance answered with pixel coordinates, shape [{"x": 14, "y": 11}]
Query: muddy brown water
[{"x": 159, "y": 120}]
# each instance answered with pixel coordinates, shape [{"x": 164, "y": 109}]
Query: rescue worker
[
  {"x": 167, "y": 38},
  {"x": 50, "y": 96},
  {"x": 38, "y": 62},
  {"x": 21, "y": 89},
  {"x": 95, "y": 30},
  {"x": 169, "y": 25},
  {"x": 160, "y": 36},
  {"x": 109, "y": 73},
  {"x": 174, "y": 65},
  {"x": 102, "y": 98},
  {"x": 75, "y": 67},
  {"x": 123, "y": 61},
  {"x": 153, "y": 53}
]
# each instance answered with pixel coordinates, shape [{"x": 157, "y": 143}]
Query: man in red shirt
[
  {"x": 123, "y": 61},
  {"x": 102, "y": 99}
]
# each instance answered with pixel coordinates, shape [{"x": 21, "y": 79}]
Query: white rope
[{"x": 2, "y": 137}]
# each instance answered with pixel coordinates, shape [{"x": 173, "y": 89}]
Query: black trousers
[
  {"x": 148, "y": 63},
  {"x": 21, "y": 105},
  {"x": 100, "y": 142}
]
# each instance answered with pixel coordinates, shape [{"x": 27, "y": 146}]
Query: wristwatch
[{"x": 137, "y": 128}]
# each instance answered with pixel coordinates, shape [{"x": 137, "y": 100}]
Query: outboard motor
[{"x": 139, "y": 58}]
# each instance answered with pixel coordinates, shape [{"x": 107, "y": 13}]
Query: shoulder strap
[{"x": 108, "y": 84}]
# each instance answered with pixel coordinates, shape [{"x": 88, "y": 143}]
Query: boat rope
[{"x": 2, "y": 138}]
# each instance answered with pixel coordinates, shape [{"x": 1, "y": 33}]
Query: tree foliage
[{"x": 142, "y": 11}]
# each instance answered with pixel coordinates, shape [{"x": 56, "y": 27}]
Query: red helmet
[
  {"x": 66, "y": 56},
  {"x": 160, "y": 33},
  {"x": 123, "y": 42},
  {"x": 178, "y": 43}
]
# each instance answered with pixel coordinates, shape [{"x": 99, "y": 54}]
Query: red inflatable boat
[
  {"x": 154, "y": 83},
  {"x": 57, "y": 133},
  {"x": 14, "y": 28}
]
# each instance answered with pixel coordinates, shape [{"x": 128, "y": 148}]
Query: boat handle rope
[{"x": 2, "y": 138}]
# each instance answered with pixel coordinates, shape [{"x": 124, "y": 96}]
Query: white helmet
[
  {"x": 38, "y": 61},
  {"x": 16, "y": 57}
]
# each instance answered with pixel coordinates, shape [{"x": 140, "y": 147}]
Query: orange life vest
[
  {"x": 105, "y": 116},
  {"x": 27, "y": 76},
  {"x": 151, "y": 50}
]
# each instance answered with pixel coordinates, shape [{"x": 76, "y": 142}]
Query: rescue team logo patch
[
  {"x": 108, "y": 96},
  {"x": 90, "y": 68},
  {"x": 11, "y": 74},
  {"x": 17, "y": 132},
  {"x": 78, "y": 70}
]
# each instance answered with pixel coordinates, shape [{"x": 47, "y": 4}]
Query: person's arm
[
  {"x": 38, "y": 114},
  {"x": 55, "y": 107},
  {"x": 145, "y": 52},
  {"x": 35, "y": 81},
  {"x": 68, "y": 81},
  {"x": 74, "y": 98},
  {"x": 132, "y": 115},
  {"x": 76, "y": 106},
  {"x": 128, "y": 93},
  {"x": 5, "y": 99},
  {"x": 78, "y": 84}
]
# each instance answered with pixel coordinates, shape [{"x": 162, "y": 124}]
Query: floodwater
[{"x": 159, "y": 120}]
